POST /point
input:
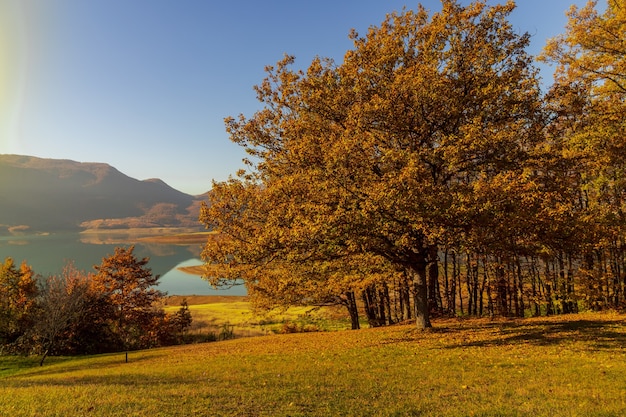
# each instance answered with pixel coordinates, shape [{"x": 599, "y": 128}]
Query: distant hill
[{"x": 41, "y": 195}]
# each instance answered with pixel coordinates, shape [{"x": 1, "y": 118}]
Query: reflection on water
[
  {"x": 177, "y": 282},
  {"x": 18, "y": 242},
  {"x": 49, "y": 254}
]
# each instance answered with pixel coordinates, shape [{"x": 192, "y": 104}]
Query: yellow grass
[
  {"x": 561, "y": 366},
  {"x": 211, "y": 313}
]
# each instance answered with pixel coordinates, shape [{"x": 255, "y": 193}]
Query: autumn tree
[
  {"x": 280, "y": 280},
  {"x": 64, "y": 301},
  {"x": 129, "y": 287},
  {"x": 382, "y": 155},
  {"x": 588, "y": 101},
  {"x": 181, "y": 320},
  {"x": 18, "y": 289}
]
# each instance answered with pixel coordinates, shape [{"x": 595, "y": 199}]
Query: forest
[{"x": 432, "y": 174}]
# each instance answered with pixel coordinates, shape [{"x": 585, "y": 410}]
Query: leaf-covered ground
[{"x": 562, "y": 366}]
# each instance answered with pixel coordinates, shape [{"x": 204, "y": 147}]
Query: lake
[{"x": 48, "y": 255}]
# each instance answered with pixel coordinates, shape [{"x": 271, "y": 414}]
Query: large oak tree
[{"x": 366, "y": 166}]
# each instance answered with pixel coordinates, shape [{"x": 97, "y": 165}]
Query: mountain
[{"x": 41, "y": 195}]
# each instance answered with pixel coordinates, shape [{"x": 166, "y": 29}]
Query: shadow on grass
[
  {"x": 597, "y": 334},
  {"x": 55, "y": 365},
  {"x": 133, "y": 380}
]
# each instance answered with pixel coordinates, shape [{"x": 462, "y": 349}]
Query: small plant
[
  {"x": 210, "y": 337},
  {"x": 293, "y": 327},
  {"x": 289, "y": 327},
  {"x": 227, "y": 332}
]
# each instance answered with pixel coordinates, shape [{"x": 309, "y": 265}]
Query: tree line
[
  {"x": 429, "y": 174},
  {"x": 116, "y": 308}
]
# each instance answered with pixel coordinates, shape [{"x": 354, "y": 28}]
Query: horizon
[
  {"x": 145, "y": 86},
  {"x": 203, "y": 194}
]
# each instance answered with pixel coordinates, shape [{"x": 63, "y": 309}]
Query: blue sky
[{"x": 144, "y": 85}]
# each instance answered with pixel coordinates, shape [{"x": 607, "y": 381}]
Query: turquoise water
[
  {"x": 49, "y": 254},
  {"x": 176, "y": 282}
]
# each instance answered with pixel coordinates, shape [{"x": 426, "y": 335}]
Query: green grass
[
  {"x": 562, "y": 366},
  {"x": 212, "y": 316}
]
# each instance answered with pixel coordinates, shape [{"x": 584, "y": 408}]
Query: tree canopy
[{"x": 428, "y": 131}]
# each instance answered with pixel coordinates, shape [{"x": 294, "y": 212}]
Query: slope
[{"x": 53, "y": 195}]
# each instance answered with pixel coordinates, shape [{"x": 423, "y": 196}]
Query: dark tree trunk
[
  {"x": 382, "y": 310},
  {"x": 446, "y": 282},
  {"x": 420, "y": 294},
  {"x": 452, "y": 306},
  {"x": 570, "y": 286},
  {"x": 490, "y": 308},
  {"x": 483, "y": 285},
  {"x": 548, "y": 292},
  {"x": 468, "y": 283},
  {"x": 405, "y": 298},
  {"x": 387, "y": 302},
  {"x": 520, "y": 287},
  {"x": 45, "y": 355},
  {"x": 475, "y": 286},
  {"x": 459, "y": 285},
  {"x": 352, "y": 310},
  {"x": 534, "y": 288},
  {"x": 434, "y": 293},
  {"x": 501, "y": 291},
  {"x": 371, "y": 304}
]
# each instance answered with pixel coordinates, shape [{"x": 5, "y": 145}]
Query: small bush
[
  {"x": 227, "y": 332},
  {"x": 307, "y": 328},
  {"x": 292, "y": 327},
  {"x": 289, "y": 327}
]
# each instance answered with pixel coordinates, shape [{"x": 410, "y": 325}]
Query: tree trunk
[
  {"x": 501, "y": 290},
  {"x": 446, "y": 283},
  {"x": 460, "y": 287},
  {"x": 45, "y": 355},
  {"x": 434, "y": 293},
  {"x": 452, "y": 305},
  {"x": 535, "y": 286},
  {"x": 370, "y": 301},
  {"x": 420, "y": 294},
  {"x": 520, "y": 287},
  {"x": 481, "y": 292},
  {"x": 353, "y": 310},
  {"x": 387, "y": 302},
  {"x": 382, "y": 316},
  {"x": 405, "y": 297}
]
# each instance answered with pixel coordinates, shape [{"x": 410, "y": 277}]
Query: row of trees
[
  {"x": 117, "y": 308},
  {"x": 428, "y": 173}
]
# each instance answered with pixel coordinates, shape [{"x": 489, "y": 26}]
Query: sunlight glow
[{"x": 11, "y": 74}]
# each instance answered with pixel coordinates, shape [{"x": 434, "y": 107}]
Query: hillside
[
  {"x": 560, "y": 366},
  {"x": 41, "y": 195}
]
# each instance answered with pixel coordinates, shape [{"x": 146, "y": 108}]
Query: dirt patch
[
  {"x": 199, "y": 237},
  {"x": 193, "y": 270}
]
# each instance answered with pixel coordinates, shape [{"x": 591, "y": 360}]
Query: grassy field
[
  {"x": 213, "y": 315},
  {"x": 561, "y": 366}
]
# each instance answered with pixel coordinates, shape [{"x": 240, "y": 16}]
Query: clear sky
[{"x": 144, "y": 85}]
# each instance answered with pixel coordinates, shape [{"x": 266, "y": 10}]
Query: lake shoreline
[
  {"x": 163, "y": 235},
  {"x": 49, "y": 254}
]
